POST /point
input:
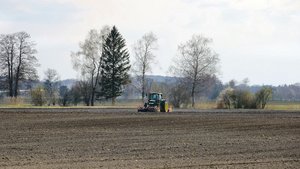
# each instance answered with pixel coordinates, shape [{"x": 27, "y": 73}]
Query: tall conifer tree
[{"x": 115, "y": 65}]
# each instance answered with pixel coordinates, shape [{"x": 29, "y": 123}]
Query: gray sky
[{"x": 255, "y": 39}]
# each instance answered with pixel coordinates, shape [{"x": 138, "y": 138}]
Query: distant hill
[
  {"x": 156, "y": 78},
  {"x": 68, "y": 82},
  {"x": 162, "y": 79}
]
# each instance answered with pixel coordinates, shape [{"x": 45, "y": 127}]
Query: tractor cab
[{"x": 154, "y": 99}]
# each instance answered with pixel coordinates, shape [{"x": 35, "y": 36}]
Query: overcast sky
[{"x": 255, "y": 39}]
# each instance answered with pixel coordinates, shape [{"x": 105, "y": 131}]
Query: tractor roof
[{"x": 155, "y": 93}]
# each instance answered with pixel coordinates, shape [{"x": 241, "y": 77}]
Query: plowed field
[{"x": 123, "y": 138}]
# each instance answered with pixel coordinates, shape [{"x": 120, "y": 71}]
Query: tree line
[{"x": 103, "y": 64}]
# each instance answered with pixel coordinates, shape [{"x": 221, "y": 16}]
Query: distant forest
[{"x": 288, "y": 93}]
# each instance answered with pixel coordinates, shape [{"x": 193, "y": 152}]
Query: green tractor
[{"x": 156, "y": 103}]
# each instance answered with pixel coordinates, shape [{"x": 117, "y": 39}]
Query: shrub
[
  {"x": 242, "y": 99},
  {"x": 38, "y": 97},
  {"x": 224, "y": 99},
  {"x": 263, "y": 96}
]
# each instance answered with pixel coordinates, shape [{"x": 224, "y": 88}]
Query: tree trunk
[
  {"x": 9, "y": 79},
  {"x": 94, "y": 86},
  {"x": 18, "y": 70},
  {"x": 113, "y": 101},
  {"x": 91, "y": 93},
  {"x": 16, "y": 86},
  {"x": 143, "y": 80},
  {"x": 193, "y": 94},
  {"x": 143, "y": 87},
  {"x": 93, "y": 98},
  {"x": 193, "y": 99},
  {"x": 194, "y": 83},
  {"x": 11, "y": 60},
  {"x": 17, "y": 78},
  {"x": 11, "y": 83}
]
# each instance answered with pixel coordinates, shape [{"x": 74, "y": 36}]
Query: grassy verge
[
  {"x": 135, "y": 104},
  {"x": 283, "y": 106},
  {"x": 97, "y": 105},
  {"x": 206, "y": 105},
  {"x": 269, "y": 106}
]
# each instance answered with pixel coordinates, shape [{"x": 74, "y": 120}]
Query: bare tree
[
  {"x": 17, "y": 60},
  {"x": 195, "y": 62},
  {"x": 144, "y": 57},
  {"x": 88, "y": 59},
  {"x": 51, "y": 86}
]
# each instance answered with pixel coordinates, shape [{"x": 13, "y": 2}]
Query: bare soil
[{"x": 123, "y": 138}]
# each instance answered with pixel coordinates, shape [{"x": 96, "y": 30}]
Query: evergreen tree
[{"x": 115, "y": 66}]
